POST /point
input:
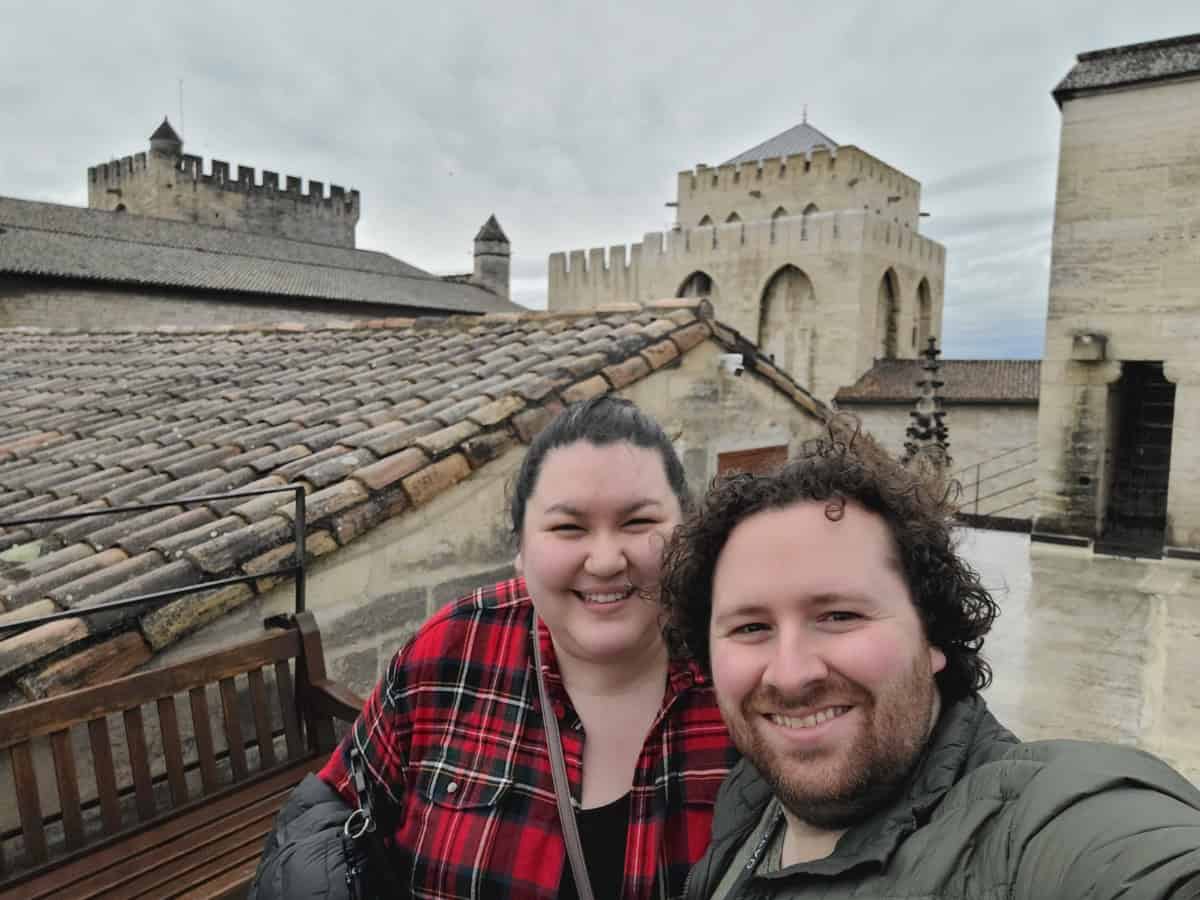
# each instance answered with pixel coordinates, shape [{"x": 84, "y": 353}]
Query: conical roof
[
  {"x": 802, "y": 138},
  {"x": 491, "y": 231},
  {"x": 165, "y": 132}
]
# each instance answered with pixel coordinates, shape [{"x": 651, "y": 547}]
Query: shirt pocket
[{"x": 452, "y": 790}]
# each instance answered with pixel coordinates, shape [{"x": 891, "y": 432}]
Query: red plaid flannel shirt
[{"x": 452, "y": 738}]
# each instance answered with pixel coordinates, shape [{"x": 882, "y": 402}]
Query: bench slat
[
  {"x": 28, "y": 803},
  {"x": 185, "y": 863},
  {"x": 43, "y": 716},
  {"x": 108, "y": 866},
  {"x": 106, "y": 777},
  {"x": 287, "y": 702},
  {"x": 262, "y": 719},
  {"x": 202, "y": 728},
  {"x": 168, "y": 727},
  {"x": 68, "y": 788},
  {"x": 139, "y": 762},
  {"x": 233, "y": 730},
  {"x": 229, "y": 886}
]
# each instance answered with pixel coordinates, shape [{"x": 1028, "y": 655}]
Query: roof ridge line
[{"x": 297, "y": 262}]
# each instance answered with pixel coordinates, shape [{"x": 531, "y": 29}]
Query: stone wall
[
  {"x": 46, "y": 303},
  {"x": 845, "y": 180},
  {"x": 166, "y": 186},
  {"x": 1125, "y": 266},
  {"x": 844, "y": 255},
  {"x": 992, "y": 445}
]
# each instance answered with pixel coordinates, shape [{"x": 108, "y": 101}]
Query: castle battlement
[
  {"x": 848, "y": 162},
  {"x": 169, "y": 184},
  {"x": 219, "y": 176},
  {"x": 815, "y": 234}
]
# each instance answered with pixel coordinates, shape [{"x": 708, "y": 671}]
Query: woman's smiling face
[{"x": 591, "y": 548}]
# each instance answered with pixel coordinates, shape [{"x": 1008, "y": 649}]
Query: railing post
[
  {"x": 978, "y": 475},
  {"x": 300, "y": 549}
]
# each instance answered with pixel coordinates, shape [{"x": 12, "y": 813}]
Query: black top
[{"x": 602, "y": 831}]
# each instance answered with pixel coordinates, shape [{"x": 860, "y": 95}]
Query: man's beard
[{"x": 838, "y": 787}]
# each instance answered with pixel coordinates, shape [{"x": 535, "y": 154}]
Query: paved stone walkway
[{"x": 1093, "y": 647}]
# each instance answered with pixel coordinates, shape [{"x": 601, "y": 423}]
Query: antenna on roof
[
  {"x": 804, "y": 120},
  {"x": 182, "y": 130}
]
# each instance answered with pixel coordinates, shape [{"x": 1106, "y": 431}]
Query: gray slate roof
[
  {"x": 802, "y": 138},
  {"x": 966, "y": 381},
  {"x": 1165, "y": 60},
  {"x": 50, "y": 240}
]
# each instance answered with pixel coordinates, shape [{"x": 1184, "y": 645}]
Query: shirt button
[{"x": 452, "y": 787}]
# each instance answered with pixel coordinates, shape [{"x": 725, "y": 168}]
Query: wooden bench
[{"x": 185, "y": 813}]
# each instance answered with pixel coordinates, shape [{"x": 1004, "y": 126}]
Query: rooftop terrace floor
[{"x": 1095, "y": 648}]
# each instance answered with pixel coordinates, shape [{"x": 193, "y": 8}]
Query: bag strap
[{"x": 558, "y": 768}]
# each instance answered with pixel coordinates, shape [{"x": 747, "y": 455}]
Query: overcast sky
[{"x": 570, "y": 120}]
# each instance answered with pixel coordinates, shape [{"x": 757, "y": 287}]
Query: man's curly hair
[{"x": 842, "y": 465}]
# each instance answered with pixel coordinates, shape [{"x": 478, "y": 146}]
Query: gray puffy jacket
[{"x": 303, "y": 856}]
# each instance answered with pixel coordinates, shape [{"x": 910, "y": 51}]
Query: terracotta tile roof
[
  {"x": 966, "y": 381},
  {"x": 371, "y": 418},
  {"x": 48, "y": 240}
]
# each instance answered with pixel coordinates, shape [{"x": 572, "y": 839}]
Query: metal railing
[
  {"x": 158, "y": 598},
  {"x": 997, "y": 499}
]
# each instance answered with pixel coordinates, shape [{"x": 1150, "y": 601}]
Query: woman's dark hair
[
  {"x": 599, "y": 421},
  {"x": 844, "y": 465}
]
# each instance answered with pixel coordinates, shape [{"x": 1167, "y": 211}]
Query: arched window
[
  {"x": 885, "y": 316},
  {"x": 809, "y": 212},
  {"x": 704, "y": 222},
  {"x": 698, "y": 284},
  {"x": 924, "y": 323},
  {"x": 732, "y": 218},
  {"x": 779, "y": 213},
  {"x": 787, "y": 322},
  {"x": 120, "y": 208}
]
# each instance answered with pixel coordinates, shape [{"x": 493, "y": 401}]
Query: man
[{"x": 843, "y": 636}]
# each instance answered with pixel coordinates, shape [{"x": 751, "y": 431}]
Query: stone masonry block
[
  {"x": 658, "y": 355},
  {"x": 497, "y": 411},
  {"x": 430, "y": 481},
  {"x": 627, "y": 372},
  {"x": 379, "y": 616},
  {"x": 585, "y": 390},
  {"x": 389, "y": 470},
  {"x": 97, "y": 664},
  {"x": 448, "y": 438}
]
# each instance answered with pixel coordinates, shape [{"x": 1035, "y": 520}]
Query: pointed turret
[
  {"x": 165, "y": 140},
  {"x": 492, "y": 258}
]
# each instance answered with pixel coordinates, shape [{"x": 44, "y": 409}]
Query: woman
[{"x": 452, "y": 740}]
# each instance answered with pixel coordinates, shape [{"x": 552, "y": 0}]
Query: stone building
[
  {"x": 167, "y": 183},
  {"x": 992, "y": 415},
  {"x": 404, "y": 434},
  {"x": 164, "y": 243},
  {"x": 1120, "y": 395},
  {"x": 809, "y": 248}
]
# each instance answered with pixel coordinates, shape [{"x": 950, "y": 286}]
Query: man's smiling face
[{"x": 819, "y": 659}]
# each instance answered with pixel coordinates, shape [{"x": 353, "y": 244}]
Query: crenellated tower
[
  {"x": 167, "y": 183},
  {"x": 811, "y": 249}
]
